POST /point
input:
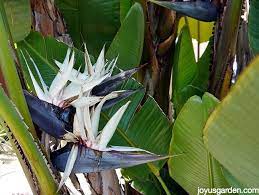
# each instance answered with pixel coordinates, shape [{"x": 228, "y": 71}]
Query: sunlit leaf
[
  {"x": 19, "y": 18},
  {"x": 195, "y": 167},
  {"x": 190, "y": 77},
  {"x": 231, "y": 133},
  {"x": 201, "y": 33}
]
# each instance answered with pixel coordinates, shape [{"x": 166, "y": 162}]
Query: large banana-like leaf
[
  {"x": 19, "y": 18},
  {"x": 93, "y": 21},
  {"x": 253, "y": 26},
  {"x": 190, "y": 78},
  {"x": 231, "y": 133},
  {"x": 233, "y": 182},
  {"x": 149, "y": 123},
  {"x": 128, "y": 42},
  {"x": 195, "y": 167}
]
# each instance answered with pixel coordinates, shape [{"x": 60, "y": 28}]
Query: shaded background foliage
[{"x": 174, "y": 83}]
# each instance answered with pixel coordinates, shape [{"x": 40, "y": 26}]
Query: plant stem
[
  {"x": 11, "y": 41},
  {"x": 29, "y": 147},
  {"x": 9, "y": 74},
  {"x": 155, "y": 171},
  {"x": 24, "y": 166},
  {"x": 226, "y": 46},
  {"x": 163, "y": 185}
]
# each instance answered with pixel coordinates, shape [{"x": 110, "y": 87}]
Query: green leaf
[
  {"x": 9, "y": 76},
  {"x": 93, "y": 21},
  {"x": 203, "y": 33},
  {"x": 44, "y": 50},
  {"x": 124, "y": 8},
  {"x": 145, "y": 184},
  {"x": 19, "y": 18},
  {"x": 128, "y": 42},
  {"x": 253, "y": 26},
  {"x": 131, "y": 130},
  {"x": 231, "y": 133},
  {"x": 190, "y": 77},
  {"x": 127, "y": 117},
  {"x": 184, "y": 68},
  {"x": 151, "y": 125},
  {"x": 233, "y": 182},
  {"x": 148, "y": 129},
  {"x": 194, "y": 167},
  {"x": 202, "y": 77}
]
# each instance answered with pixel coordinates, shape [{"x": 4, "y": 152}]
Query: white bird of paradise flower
[{"x": 71, "y": 83}]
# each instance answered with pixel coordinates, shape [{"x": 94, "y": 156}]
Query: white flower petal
[
  {"x": 110, "y": 127},
  {"x": 73, "y": 90},
  {"x": 76, "y": 127},
  {"x": 111, "y": 66},
  {"x": 97, "y": 112},
  {"x": 81, "y": 129},
  {"x": 86, "y": 101},
  {"x": 125, "y": 149},
  {"x": 76, "y": 76},
  {"x": 61, "y": 78},
  {"x": 88, "y": 64},
  {"x": 69, "y": 166},
  {"x": 66, "y": 60},
  {"x": 70, "y": 137},
  {"x": 92, "y": 83},
  {"x": 45, "y": 87},
  {"x": 59, "y": 64},
  {"x": 87, "y": 123},
  {"x": 38, "y": 90},
  {"x": 99, "y": 66}
]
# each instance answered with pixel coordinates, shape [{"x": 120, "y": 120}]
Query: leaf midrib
[{"x": 55, "y": 69}]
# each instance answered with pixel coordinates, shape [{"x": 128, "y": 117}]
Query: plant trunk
[
  {"x": 48, "y": 21},
  {"x": 105, "y": 182},
  {"x": 160, "y": 35}
]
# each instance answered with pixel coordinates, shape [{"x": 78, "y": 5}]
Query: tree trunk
[
  {"x": 105, "y": 182},
  {"x": 48, "y": 21},
  {"x": 160, "y": 35}
]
